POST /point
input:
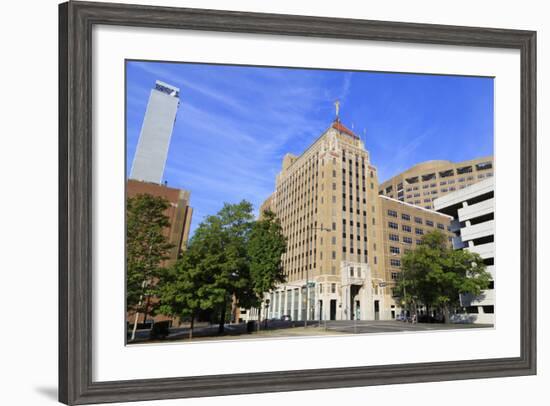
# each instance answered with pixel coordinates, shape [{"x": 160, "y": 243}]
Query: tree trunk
[
  {"x": 259, "y": 317},
  {"x": 192, "y": 325},
  {"x": 221, "y": 327},
  {"x": 146, "y": 308},
  {"x": 134, "y": 329},
  {"x": 446, "y": 313},
  {"x": 234, "y": 309}
]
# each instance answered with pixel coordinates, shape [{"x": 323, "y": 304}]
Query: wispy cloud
[{"x": 235, "y": 124}]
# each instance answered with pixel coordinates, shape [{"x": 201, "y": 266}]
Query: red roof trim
[{"x": 342, "y": 128}]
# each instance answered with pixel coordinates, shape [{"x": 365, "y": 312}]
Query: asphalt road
[
  {"x": 383, "y": 326},
  {"x": 277, "y": 328}
]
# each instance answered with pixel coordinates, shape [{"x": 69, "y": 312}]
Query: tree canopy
[
  {"x": 265, "y": 247},
  {"x": 146, "y": 245},
  {"x": 434, "y": 274},
  {"x": 231, "y": 261}
]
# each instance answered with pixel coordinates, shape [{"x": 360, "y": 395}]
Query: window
[
  {"x": 332, "y": 288},
  {"x": 405, "y": 217},
  {"x": 419, "y": 231},
  {"x": 428, "y": 176},
  {"x": 395, "y": 250},
  {"x": 429, "y": 223},
  {"x": 392, "y": 225},
  {"x": 395, "y": 262},
  {"x": 418, "y": 220},
  {"x": 406, "y": 228},
  {"x": 440, "y": 226},
  {"x": 407, "y": 240},
  {"x": 394, "y": 237},
  {"x": 392, "y": 213},
  {"x": 489, "y": 309},
  {"x": 394, "y": 275},
  {"x": 484, "y": 165},
  {"x": 464, "y": 169}
]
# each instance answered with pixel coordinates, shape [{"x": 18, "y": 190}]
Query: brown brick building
[{"x": 179, "y": 214}]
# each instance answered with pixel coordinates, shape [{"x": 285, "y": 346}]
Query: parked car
[
  {"x": 401, "y": 317},
  {"x": 286, "y": 317}
]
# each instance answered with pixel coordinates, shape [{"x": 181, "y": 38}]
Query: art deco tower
[{"x": 327, "y": 201}]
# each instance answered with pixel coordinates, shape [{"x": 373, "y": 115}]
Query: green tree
[
  {"x": 146, "y": 247},
  {"x": 435, "y": 275},
  {"x": 178, "y": 286},
  {"x": 223, "y": 240},
  {"x": 266, "y": 245}
]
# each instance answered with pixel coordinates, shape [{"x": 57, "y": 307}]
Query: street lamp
[
  {"x": 267, "y": 301},
  {"x": 404, "y": 285},
  {"x": 307, "y": 272}
]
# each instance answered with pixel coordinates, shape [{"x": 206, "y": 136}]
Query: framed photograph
[{"x": 258, "y": 202}]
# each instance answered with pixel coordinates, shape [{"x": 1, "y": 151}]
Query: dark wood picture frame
[{"x": 76, "y": 20}]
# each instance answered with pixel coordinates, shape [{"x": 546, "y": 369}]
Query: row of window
[
  {"x": 399, "y": 187},
  {"x": 405, "y": 228},
  {"x": 406, "y": 240}
]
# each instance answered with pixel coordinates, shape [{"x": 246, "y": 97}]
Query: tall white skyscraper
[{"x": 156, "y": 131}]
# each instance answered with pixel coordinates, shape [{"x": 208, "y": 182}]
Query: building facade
[
  {"x": 179, "y": 212},
  {"x": 156, "y": 131},
  {"x": 326, "y": 200},
  {"x": 425, "y": 182},
  {"x": 403, "y": 226},
  {"x": 473, "y": 212},
  {"x": 344, "y": 240},
  {"x": 179, "y": 215}
]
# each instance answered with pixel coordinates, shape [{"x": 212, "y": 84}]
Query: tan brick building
[
  {"x": 345, "y": 242},
  {"x": 402, "y": 227},
  {"x": 426, "y": 181},
  {"x": 327, "y": 201}
]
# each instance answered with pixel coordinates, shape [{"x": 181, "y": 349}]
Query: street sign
[{"x": 382, "y": 284}]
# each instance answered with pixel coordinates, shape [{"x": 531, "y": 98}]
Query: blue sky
[{"x": 235, "y": 124}]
